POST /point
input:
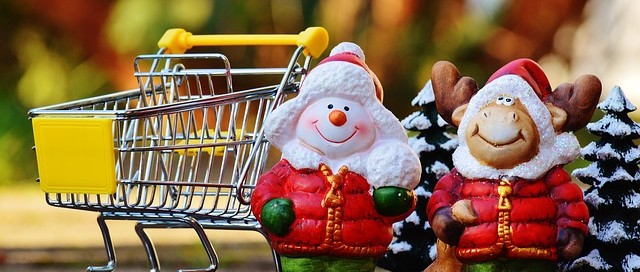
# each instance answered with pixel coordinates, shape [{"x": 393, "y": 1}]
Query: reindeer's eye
[
  {"x": 500, "y": 100},
  {"x": 330, "y": 106},
  {"x": 508, "y": 101}
]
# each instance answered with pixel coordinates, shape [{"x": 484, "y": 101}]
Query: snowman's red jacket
[
  {"x": 334, "y": 212},
  {"x": 517, "y": 218}
]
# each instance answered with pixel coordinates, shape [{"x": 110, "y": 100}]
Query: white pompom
[{"x": 348, "y": 47}]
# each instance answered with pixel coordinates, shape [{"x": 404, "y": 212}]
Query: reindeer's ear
[
  {"x": 578, "y": 100},
  {"x": 450, "y": 89},
  {"x": 458, "y": 113},
  {"x": 558, "y": 116}
]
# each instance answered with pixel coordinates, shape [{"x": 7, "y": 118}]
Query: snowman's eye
[
  {"x": 346, "y": 108},
  {"x": 330, "y": 106}
]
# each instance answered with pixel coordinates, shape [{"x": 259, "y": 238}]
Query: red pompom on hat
[{"x": 531, "y": 72}]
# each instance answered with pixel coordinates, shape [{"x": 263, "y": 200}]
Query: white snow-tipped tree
[
  {"x": 613, "y": 243},
  {"x": 414, "y": 244}
]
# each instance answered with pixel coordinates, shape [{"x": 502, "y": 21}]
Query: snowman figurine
[{"x": 346, "y": 173}]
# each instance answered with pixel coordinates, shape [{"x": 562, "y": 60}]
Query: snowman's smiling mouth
[{"x": 334, "y": 141}]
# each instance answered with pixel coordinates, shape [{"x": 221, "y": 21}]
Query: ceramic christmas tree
[
  {"x": 346, "y": 173},
  {"x": 414, "y": 244},
  {"x": 613, "y": 199},
  {"x": 508, "y": 205}
]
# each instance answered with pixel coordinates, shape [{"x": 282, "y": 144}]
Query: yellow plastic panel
[{"x": 75, "y": 155}]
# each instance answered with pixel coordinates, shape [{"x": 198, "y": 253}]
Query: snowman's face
[{"x": 336, "y": 127}]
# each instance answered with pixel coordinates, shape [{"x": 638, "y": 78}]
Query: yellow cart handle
[{"x": 314, "y": 40}]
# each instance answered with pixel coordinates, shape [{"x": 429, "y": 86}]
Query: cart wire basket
[{"x": 183, "y": 150}]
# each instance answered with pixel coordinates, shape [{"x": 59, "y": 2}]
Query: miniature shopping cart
[{"x": 184, "y": 150}]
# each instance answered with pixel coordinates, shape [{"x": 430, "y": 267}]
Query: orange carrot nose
[{"x": 337, "y": 118}]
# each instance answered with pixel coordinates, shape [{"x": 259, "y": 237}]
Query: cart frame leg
[
  {"x": 276, "y": 256},
  {"x": 179, "y": 222},
  {"x": 144, "y": 222},
  {"x": 206, "y": 243},
  {"x": 148, "y": 247},
  {"x": 108, "y": 245}
]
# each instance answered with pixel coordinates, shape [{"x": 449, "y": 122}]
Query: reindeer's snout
[
  {"x": 499, "y": 115},
  {"x": 498, "y": 125},
  {"x": 502, "y": 135}
]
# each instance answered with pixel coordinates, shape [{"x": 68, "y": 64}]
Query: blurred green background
[{"x": 60, "y": 50}]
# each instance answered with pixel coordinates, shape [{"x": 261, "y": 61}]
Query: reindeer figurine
[{"x": 508, "y": 205}]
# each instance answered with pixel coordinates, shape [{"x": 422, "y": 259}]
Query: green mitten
[
  {"x": 392, "y": 201},
  {"x": 277, "y": 216}
]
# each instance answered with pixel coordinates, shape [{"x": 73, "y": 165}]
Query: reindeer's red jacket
[
  {"x": 516, "y": 219},
  {"x": 334, "y": 212}
]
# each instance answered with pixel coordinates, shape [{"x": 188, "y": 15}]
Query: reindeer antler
[
  {"x": 450, "y": 89},
  {"x": 579, "y": 100}
]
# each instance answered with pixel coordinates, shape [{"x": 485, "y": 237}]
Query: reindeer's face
[{"x": 503, "y": 134}]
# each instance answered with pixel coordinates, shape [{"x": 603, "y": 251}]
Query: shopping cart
[{"x": 184, "y": 150}]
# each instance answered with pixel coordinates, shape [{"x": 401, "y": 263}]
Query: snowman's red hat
[
  {"x": 352, "y": 53},
  {"x": 345, "y": 75}
]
